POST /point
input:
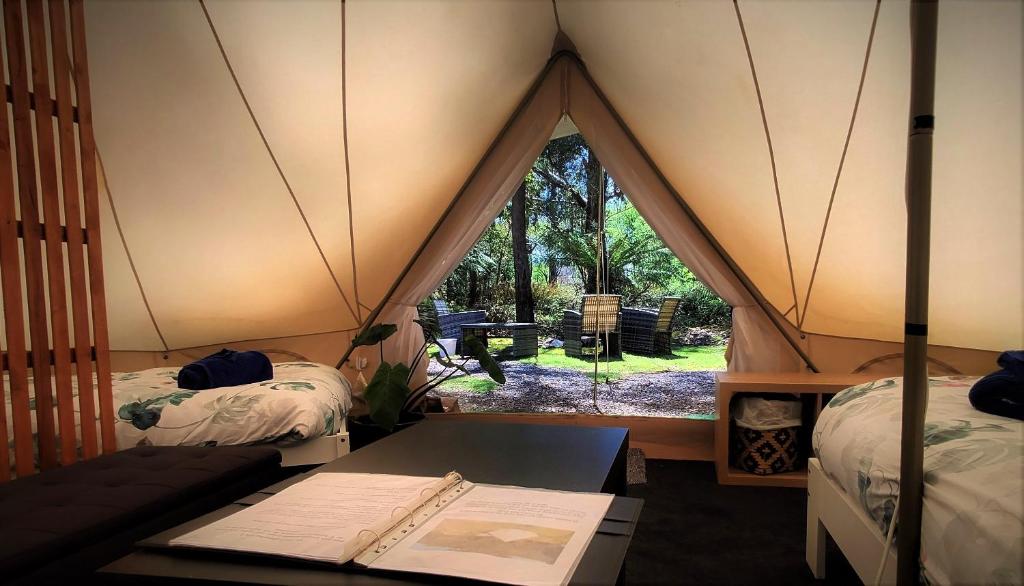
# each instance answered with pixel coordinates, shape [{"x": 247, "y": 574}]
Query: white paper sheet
[
  {"x": 320, "y": 518},
  {"x": 503, "y": 534}
]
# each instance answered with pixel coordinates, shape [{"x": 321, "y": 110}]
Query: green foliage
[
  {"x": 374, "y": 335},
  {"x": 552, "y": 299},
  {"x": 386, "y": 394},
  {"x": 686, "y": 358},
  {"x": 389, "y": 394},
  {"x": 475, "y": 383},
  {"x": 477, "y": 350},
  {"x": 563, "y": 251},
  {"x": 701, "y": 307}
]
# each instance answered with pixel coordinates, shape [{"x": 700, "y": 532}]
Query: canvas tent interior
[{"x": 278, "y": 173}]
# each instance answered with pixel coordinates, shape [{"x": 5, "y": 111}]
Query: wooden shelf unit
[{"x": 815, "y": 386}]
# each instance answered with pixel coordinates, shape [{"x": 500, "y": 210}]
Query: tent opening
[{"x": 571, "y": 243}]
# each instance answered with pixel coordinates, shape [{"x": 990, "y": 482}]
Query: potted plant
[{"x": 393, "y": 404}]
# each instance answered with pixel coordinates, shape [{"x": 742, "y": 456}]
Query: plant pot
[{"x": 362, "y": 431}]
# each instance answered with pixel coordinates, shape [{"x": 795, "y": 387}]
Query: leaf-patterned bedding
[
  {"x": 302, "y": 401},
  {"x": 973, "y": 517}
]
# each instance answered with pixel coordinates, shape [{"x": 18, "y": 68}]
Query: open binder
[{"x": 445, "y": 526}]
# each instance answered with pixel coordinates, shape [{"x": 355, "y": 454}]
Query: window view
[{"x": 584, "y": 305}]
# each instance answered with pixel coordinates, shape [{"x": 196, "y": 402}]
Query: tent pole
[
  {"x": 923, "y": 25},
  {"x": 598, "y": 267}
]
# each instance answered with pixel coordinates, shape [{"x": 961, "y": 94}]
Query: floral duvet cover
[
  {"x": 973, "y": 517},
  {"x": 302, "y": 401}
]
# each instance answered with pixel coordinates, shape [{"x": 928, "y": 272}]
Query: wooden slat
[
  {"x": 31, "y": 242},
  {"x": 89, "y": 355},
  {"x": 10, "y": 281},
  {"x": 32, "y": 102},
  {"x": 59, "y": 330},
  {"x": 41, "y": 229},
  {"x": 87, "y": 148},
  {"x": 66, "y": 117}
]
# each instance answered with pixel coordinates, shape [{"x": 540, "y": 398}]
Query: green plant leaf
[
  {"x": 386, "y": 394},
  {"x": 375, "y": 335},
  {"x": 431, "y": 330},
  {"x": 447, "y": 363},
  {"x": 479, "y": 351}
]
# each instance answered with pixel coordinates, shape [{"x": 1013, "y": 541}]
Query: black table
[
  {"x": 540, "y": 456},
  {"x": 524, "y": 336}
]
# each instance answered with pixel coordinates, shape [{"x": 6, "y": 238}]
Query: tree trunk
[
  {"x": 473, "y": 296},
  {"x": 594, "y": 176},
  {"x": 552, "y": 270},
  {"x": 521, "y": 258}
]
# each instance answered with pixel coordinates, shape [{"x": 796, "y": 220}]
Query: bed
[
  {"x": 301, "y": 411},
  {"x": 973, "y": 511}
]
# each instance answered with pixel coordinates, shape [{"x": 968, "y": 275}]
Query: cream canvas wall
[{"x": 223, "y": 255}]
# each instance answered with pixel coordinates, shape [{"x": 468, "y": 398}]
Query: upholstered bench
[{"x": 71, "y": 520}]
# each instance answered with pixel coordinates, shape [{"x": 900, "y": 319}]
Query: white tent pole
[{"x": 923, "y": 25}]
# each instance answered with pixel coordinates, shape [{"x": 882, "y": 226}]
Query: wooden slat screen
[{"x": 67, "y": 337}]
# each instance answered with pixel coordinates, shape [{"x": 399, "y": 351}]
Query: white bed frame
[
  {"x": 830, "y": 511},
  {"x": 317, "y": 450}
]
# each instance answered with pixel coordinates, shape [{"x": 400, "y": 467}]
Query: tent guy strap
[
  {"x": 348, "y": 167},
  {"x": 127, "y": 251},
  {"x": 771, "y": 153},
  {"x": 842, "y": 160},
  {"x": 273, "y": 158}
]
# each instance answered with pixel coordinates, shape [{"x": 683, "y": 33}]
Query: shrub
[
  {"x": 701, "y": 307},
  {"x": 552, "y": 300},
  {"x": 701, "y": 337}
]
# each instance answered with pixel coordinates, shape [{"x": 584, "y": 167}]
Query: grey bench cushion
[{"x": 57, "y": 513}]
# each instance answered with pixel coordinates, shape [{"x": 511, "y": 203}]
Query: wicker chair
[
  {"x": 649, "y": 331},
  {"x": 586, "y": 328},
  {"x": 436, "y": 311}
]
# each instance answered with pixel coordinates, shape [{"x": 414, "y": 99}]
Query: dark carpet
[{"x": 694, "y": 531}]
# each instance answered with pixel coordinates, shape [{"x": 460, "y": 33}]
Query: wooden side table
[{"x": 814, "y": 390}]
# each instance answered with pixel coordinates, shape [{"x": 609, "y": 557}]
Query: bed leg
[{"x": 816, "y": 532}]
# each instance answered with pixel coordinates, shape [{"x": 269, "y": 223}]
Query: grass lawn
[{"x": 682, "y": 359}]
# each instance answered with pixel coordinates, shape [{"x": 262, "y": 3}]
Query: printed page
[
  {"x": 327, "y": 517},
  {"x": 503, "y": 534}
]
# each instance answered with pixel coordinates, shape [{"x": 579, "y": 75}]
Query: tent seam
[
  {"x": 233, "y": 342},
  {"x": 273, "y": 158},
  {"x": 771, "y": 154},
  {"x": 127, "y": 252},
  {"x": 554, "y": 8},
  {"x": 759, "y": 300},
  {"x": 348, "y": 168},
  {"x": 842, "y": 161}
]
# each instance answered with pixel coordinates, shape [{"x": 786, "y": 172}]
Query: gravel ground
[{"x": 534, "y": 389}]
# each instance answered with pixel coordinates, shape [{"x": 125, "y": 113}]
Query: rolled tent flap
[
  {"x": 756, "y": 344},
  {"x": 480, "y": 200}
]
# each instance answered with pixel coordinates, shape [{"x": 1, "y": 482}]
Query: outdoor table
[{"x": 524, "y": 336}]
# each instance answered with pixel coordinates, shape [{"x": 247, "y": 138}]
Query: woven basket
[{"x": 765, "y": 452}]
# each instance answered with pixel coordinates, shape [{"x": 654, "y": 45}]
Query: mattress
[
  {"x": 302, "y": 401},
  {"x": 973, "y": 518}
]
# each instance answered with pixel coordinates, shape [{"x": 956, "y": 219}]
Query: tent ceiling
[
  {"x": 223, "y": 255},
  {"x": 684, "y": 87}
]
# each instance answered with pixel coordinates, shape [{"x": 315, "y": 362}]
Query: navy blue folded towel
[
  {"x": 226, "y": 368},
  {"x": 1002, "y": 392}
]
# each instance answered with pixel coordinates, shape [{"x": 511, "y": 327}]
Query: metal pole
[{"x": 923, "y": 24}]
